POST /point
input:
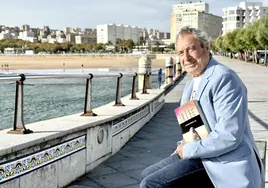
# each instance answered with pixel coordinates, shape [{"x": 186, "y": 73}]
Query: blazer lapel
[{"x": 205, "y": 78}]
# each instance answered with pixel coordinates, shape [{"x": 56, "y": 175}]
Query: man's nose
[{"x": 187, "y": 55}]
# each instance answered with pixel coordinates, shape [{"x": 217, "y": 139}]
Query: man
[{"x": 228, "y": 156}]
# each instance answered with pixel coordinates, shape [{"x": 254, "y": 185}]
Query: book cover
[{"x": 192, "y": 121}]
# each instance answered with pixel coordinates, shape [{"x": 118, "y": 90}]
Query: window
[
  {"x": 237, "y": 11},
  {"x": 231, "y": 18},
  {"x": 237, "y": 18},
  {"x": 231, "y": 12}
]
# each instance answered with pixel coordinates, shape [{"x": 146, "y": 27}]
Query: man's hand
[{"x": 179, "y": 149}]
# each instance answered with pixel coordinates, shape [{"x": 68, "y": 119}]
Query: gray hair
[{"x": 198, "y": 33}]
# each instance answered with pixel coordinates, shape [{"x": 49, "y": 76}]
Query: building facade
[
  {"x": 242, "y": 15},
  {"x": 85, "y": 39},
  {"x": 195, "y": 15},
  {"x": 112, "y": 32}
]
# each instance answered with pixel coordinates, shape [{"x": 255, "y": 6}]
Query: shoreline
[{"x": 18, "y": 62}]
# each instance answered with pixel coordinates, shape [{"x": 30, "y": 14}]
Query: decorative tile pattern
[
  {"x": 29, "y": 163},
  {"x": 130, "y": 120}
]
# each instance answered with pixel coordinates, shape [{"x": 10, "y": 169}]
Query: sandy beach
[{"x": 72, "y": 61}]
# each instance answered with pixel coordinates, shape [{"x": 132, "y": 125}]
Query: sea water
[{"x": 50, "y": 98}]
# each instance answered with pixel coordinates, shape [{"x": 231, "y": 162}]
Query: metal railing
[{"x": 19, "y": 126}]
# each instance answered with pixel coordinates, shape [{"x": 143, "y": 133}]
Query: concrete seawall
[{"x": 61, "y": 150}]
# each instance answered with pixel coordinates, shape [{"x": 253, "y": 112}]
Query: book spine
[{"x": 199, "y": 108}]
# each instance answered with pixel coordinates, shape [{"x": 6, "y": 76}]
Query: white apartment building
[
  {"x": 195, "y": 15},
  {"x": 111, "y": 32},
  {"x": 243, "y": 14},
  {"x": 6, "y": 35},
  {"x": 27, "y": 35}
]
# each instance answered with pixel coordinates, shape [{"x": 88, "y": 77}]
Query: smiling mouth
[{"x": 190, "y": 64}]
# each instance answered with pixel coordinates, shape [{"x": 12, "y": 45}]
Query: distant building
[
  {"x": 90, "y": 31},
  {"x": 46, "y": 30},
  {"x": 13, "y": 50},
  {"x": 195, "y": 15},
  {"x": 85, "y": 39},
  {"x": 28, "y": 36},
  {"x": 78, "y": 30},
  {"x": 70, "y": 38},
  {"x": 111, "y": 32},
  {"x": 35, "y": 31},
  {"x": 8, "y": 34},
  {"x": 243, "y": 14},
  {"x": 25, "y": 28},
  {"x": 68, "y": 30}
]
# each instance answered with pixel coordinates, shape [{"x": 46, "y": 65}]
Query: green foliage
[
  {"x": 262, "y": 32},
  {"x": 240, "y": 40},
  {"x": 122, "y": 44},
  {"x": 213, "y": 45},
  {"x": 172, "y": 46},
  {"x": 229, "y": 41},
  {"x": 219, "y": 43},
  {"x": 251, "y": 38}
]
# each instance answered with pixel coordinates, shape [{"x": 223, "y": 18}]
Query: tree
[
  {"x": 119, "y": 44},
  {"x": 251, "y": 38},
  {"x": 213, "y": 46},
  {"x": 240, "y": 43},
  {"x": 142, "y": 41},
  {"x": 219, "y": 44},
  {"x": 157, "y": 43},
  {"x": 109, "y": 43},
  {"x": 172, "y": 46},
  {"x": 129, "y": 44},
  {"x": 262, "y": 35}
]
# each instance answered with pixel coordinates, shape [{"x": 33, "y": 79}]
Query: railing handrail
[
  {"x": 4, "y": 78},
  {"x": 19, "y": 127},
  {"x": 9, "y": 78}
]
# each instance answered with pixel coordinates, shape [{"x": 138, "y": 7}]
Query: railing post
[
  {"x": 18, "y": 126},
  {"x": 88, "y": 107},
  {"x": 118, "y": 91},
  {"x": 178, "y": 67},
  {"x": 133, "y": 92},
  {"x": 169, "y": 70},
  {"x": 144, "y": 89},
  {"x": 145, "y": 65}
]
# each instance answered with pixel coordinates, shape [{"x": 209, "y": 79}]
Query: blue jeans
[{"x": 172, "y": 172}]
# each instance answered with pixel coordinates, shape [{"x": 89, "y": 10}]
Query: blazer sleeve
[{"x": 230, "y": 105}]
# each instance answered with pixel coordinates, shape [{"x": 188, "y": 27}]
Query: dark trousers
[{"x": 174, "y": 172}]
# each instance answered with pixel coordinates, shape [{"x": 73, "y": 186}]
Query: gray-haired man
[{"x": 228, "y": 156}]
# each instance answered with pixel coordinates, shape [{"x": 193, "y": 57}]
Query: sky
[{"x": 58, "y": 14}]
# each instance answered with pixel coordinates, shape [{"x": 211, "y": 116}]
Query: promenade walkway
[{"x": 158, "y": 138}]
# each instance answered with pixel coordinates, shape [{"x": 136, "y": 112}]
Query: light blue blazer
[{"x": 229, "y": 152}]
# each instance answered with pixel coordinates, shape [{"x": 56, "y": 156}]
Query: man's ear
[{"x": 207, "y": 47}]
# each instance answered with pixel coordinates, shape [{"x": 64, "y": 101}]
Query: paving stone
[
  {"x": 126, "y": 165},
  {"x": 102, "y": 170},
  {"x": 85, "y": 182},
  {"x": 115, "y": 180}
]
